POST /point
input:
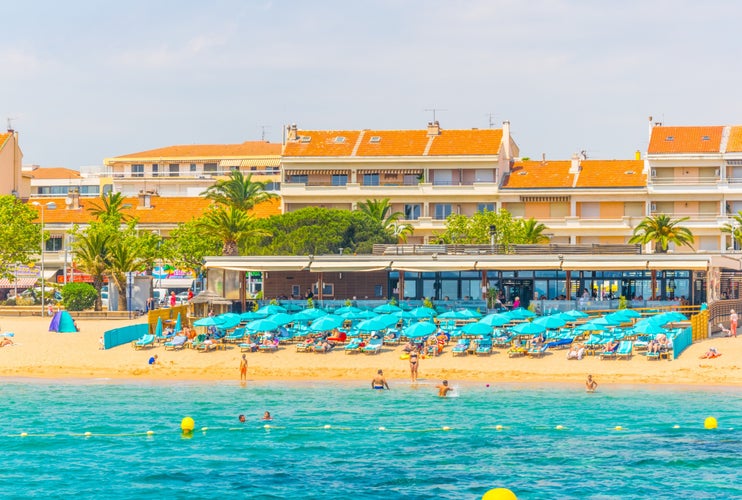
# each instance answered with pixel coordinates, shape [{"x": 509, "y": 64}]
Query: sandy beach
[{"x": 39, "y": 353}]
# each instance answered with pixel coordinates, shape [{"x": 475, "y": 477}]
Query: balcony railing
[
  {"x": 548, "y": 249},
  {"x": 684, "y": 181}
]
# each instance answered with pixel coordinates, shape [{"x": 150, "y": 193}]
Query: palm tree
[
  {"x": 110, "y": 208},
  {"x": 122, "y": 259},
  {"x": 533, "y": 232},
  {"x": 238, "y": 191},
  {"x": 91, "y": 257},
  {"x": 734, "y": 228},
  {"x": 381, "y": 211},
  {"x": 231, "y": 225},
  {"x": 661, "y": 230}
]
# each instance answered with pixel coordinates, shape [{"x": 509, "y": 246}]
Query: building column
[
  {"x": 400, "y": 286},
  {"x": 485, "y": 285}
]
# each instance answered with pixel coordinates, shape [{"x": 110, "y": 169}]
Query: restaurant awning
[
  {"x": 421, "y": 266},
  {"x": 671, "y": 265},
  {"x": 26, "y": 282},
  {"x": 348, "y": 266},
  {"x": 261, "y": 162},
  {"x": 242, "y": 264},
  {"x": 515, "y": 265},
  {"x": 605, "y": 265},
  {"x": 172, "y": 282}
]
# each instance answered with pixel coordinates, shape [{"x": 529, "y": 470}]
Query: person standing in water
[
  {"x": 379, "y": 382},
  {"x": 243, "y": 368},
  {"x": 414, "y": 362},
  {"x": 443, "y": 389},
  {"x": 590, "y": 384}
]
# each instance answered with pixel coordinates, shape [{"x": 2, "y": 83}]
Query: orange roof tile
[
  {"x": 165, "y": 210},
  {"x": 611, "y": 174},
  {"x": 54, "y": 173},
  {"x": 734, "y": 144},
  {"x": 368, "y": 143},
  {"x": 536, "y": 174},
  {"x": 322, "y": 143},
  {"x": 208, "y": 151},
  {"x": 4, "y": 137},
  {"x": 669, "y": 140}
]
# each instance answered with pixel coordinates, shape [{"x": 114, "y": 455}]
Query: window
[
  {"x": 155, "y": 170},
  {"x": 298, "y": 179},
  {"x": 94, "y": 190},
  {"x": 328, "y": 289},
  {"x": 193, "y": 168},
  {"x": 339, "y": 140},
  {"x": 375, "y": 139},
  {"x": 53, "y": 244},
  {"x": 137, "y": 170},
  {"x": 295, "y": 290},
  {"x": 412, "y": 211},
  {"x": 442, "y": 210},
  {"x": 174, "y": 170},
  {"x": 370, "y": 179},
  {"x": 486, "y": 207},
  {"x": 411, "y": 179},
  {"x": 378, "y": 291},
  {"x": 339, "y": 179},
  {"x": 210, "y": 168}
]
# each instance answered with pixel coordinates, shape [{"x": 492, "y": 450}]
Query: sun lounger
[
  {"x": 503, "y": 341},
  {"x": 609, "y": 353},
  {"x": 517, "y": 351},
  {"x": 176, "y": 343},
  {"x": 653, "y": 355},
  {"x": 538, "y": 351},
  {"x": 145, "y": 341},
  {"x": 461, "y": 347},
  {"x": 207, "y": 346},
  {"x": 625, "y": 349},
  {"x": 373, "y": 346},
  {"x": 484, "y": 348},
  {"x": 237, "y": 335},
  {"x": 271, "y": 347},
  {"x": 353, "y": 346},
  {"x": 559, "y": 343}
]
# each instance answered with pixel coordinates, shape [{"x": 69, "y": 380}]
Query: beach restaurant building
[{"x": 554, "y": 274}]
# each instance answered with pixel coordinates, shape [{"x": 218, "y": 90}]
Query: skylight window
[
  {"x": 375, "y": 139},
  {"x": 669, "y": 138},
  {"x": 705, "y": 138},
  {"x": 306, "y": 138},
  {"x": 339, "y": 140},
  {"x": 629, "y": 172}
]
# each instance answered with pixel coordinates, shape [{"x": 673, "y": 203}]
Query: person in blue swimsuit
[{"x": 379, "y": 382}]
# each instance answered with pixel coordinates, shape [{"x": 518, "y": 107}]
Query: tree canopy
[
  {"x": 20, "y": 235},
  {"x": 661, "y": 230}
]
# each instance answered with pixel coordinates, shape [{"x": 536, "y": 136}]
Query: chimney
[
  {"x": 575, "y": 167},
  {"x": 543, "y": 158},
  {"x": 434, "y": 128},
  {"x": 291, "y": 132},
  {"x": 145, "y": 199},
  {"x": 506, "y": 140},
  {"x": 638, "y": 155},
  {"x": 73, "y": 200}
]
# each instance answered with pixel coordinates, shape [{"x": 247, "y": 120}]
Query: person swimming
[
  {"x": 267, "y": 416},
  {"x": 379, "y": 382},
  {"x": 443, "y": 389}
]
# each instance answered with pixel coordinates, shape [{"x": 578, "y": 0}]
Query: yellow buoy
[
  {"x": 710, "y": 423},
  {"x": 676, "y": 426},
  {"x": 328, "y": 426},
  {"x": 266, "y": 426},
  {"x": 559, "y": 427},
  {"x": 149, "y": 433},
  {"x": 187, "y": 425},
  {"x": 498, "y": 427},
  {"x": 88, "y": 434},
  {"x": 382, "y": 428},
  {"x": 446, "y": 428},
  {"x": 618, "y": 428},
  {"x": 24, "y": 434},
  {"x": 499, "y": 494}
]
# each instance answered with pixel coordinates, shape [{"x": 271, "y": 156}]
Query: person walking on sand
[
  {"x": 733, "y": 319},
  {"x": 243, "y": 368},
  {"x": 590, "y": 384},
  {"x": 414, "y": 362},
  {"x": 379, "y": 382}
]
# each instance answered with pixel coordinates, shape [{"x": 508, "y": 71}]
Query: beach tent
[{"x": 62, "y": 322}]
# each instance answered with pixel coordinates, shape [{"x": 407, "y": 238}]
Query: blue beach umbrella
[
  {"x": 262, "y": 325},
  {"x": 630, "y": 313},
  {"x": 359, "y": 315},
  {"x": 475, "y": 329},
  {"x": 648, "y": 328},
  {"x": 403, "y": 314},
  {"x": 495, "y": 320},
  {"x": 528, "y": 328},
  {"x": 208, "y": 321},
  {"x": 420, "y": 329},
  {"x": 271, "y": 309},
  {"x": 281, "y": 318},
  {"x": 591, "y": 326},
  {"x": 377, "y": 323},
  {"x": 292, "y": 307},
  {"x": 572, "y": 315},
  {"x": 178, "y": 326},
  {"x": 228, "y": 320},
  {"x": 158, "y": 328},
  {"x": 520, "y": 313},
  {"x": 617, "y": 317},
  {"x": 325, "y": 323},
  {"x": 251, "y": 315},
  {"x": 386, "y": 309},
  {"x": 469, "y": 314},
  {"x": 550, "y": 322},
  {"x": 423, "y": 312},
  {"x": 347, "y": 309}
]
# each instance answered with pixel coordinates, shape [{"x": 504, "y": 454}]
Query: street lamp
[
  {"x": 51, "y": 206},
  {"x": 493, "y": 236}
]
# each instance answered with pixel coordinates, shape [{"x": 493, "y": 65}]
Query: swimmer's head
[
  {"x": 445, "y": 382},
  {"x": 380, "y": 372},
  {"x": 242, "y": 418}
]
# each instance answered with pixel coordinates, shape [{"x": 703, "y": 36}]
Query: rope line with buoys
[{"x": 188, "y": 427}]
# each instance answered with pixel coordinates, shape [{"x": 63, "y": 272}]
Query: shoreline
[{"x": 42, "y": 355}]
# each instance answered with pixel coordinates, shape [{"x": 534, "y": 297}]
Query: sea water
[{"x": 345, "y": 440}]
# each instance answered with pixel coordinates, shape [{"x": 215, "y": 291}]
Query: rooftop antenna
[
  {"x": 262, "y": 132},
  {"x": 434, "y": 110},
  {"x": 491, "y": 119},
  {"x": 10, "y": 123}
]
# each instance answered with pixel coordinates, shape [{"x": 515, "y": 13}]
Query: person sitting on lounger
[
  {"x": 5, "y": 341},
  {"x": 611, "y": 346},
  {"x": 576, "y": 352}
]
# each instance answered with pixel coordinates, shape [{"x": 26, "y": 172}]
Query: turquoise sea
[{"x": 344, "y": 440}]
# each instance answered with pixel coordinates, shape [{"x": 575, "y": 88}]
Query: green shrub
[
  {"x": 10, "y": 301},
  {"x": 78, "y": 296}
]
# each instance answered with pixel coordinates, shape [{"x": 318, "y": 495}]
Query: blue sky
[{"x": 85, "y": 80}]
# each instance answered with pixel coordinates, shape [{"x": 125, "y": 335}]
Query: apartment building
[{"x": 13, "y": 181}]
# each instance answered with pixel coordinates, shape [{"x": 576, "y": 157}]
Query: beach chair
[
  {"x": 207, "y": 346},
  {"x": 353, "y": 346},
  {"x": 503, "y": 341},
  {"x": 484, "y": 348},
  {"x": 392, "y": 337},
  {"x": 559, "y": 343},
  {"x": 652, "y": 355},
  {"x": 537, "y": 351},
  {"x": 373, "y": 346},
  {"x": 247, "y": 346},
  {"x": 271, "y": 346},
  {"x": 145, "y": 341},
  {"x": 517, "y": 351},
  {"x": 461, "y": 348},
  {"x": 305, "y": 345},
  {"x": 625, "y": 349},
  {"x": 176, "y": 343},
  {"x": 609, "y": 353},
  {"x": 237, "y": 335}
]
